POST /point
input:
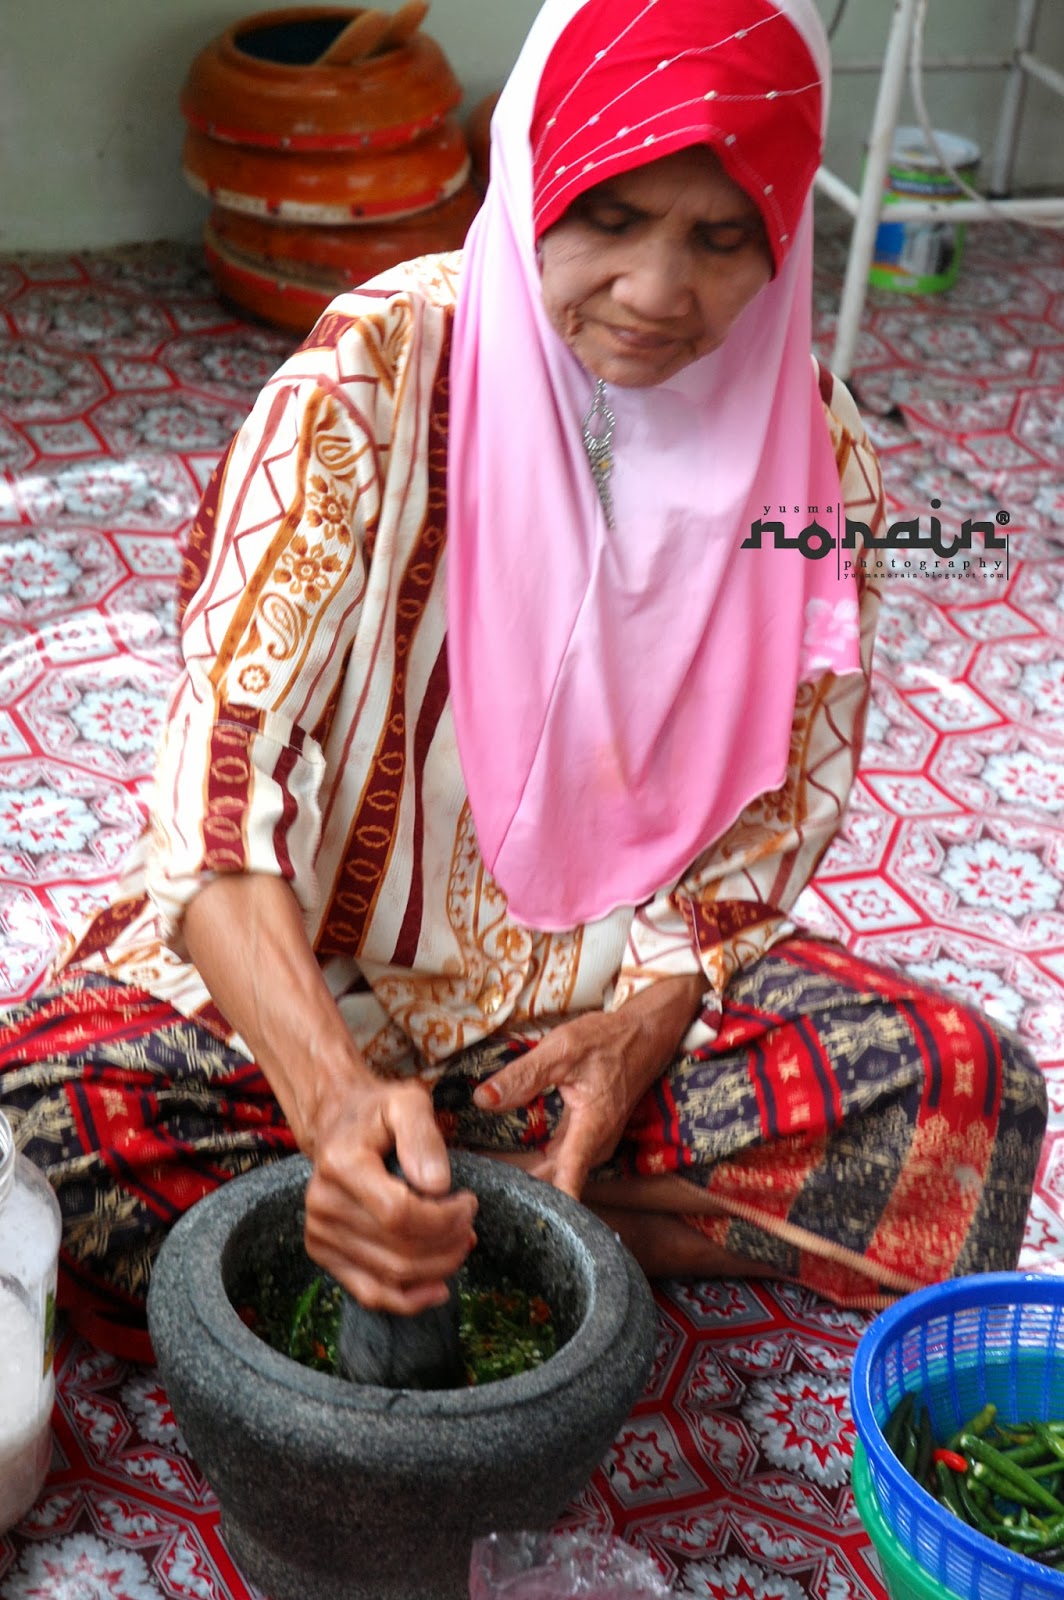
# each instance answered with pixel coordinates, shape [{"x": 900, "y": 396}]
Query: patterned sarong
[{"x": 849, "y": 1128}]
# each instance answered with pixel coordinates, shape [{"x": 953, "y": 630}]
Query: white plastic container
[{"x": 29, "y": 1249}]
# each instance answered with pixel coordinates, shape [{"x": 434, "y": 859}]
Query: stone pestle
[{"x": 401, "y": 1352}]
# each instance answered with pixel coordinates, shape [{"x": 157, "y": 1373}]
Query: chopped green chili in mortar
[{"x": 502, "y": 1331}]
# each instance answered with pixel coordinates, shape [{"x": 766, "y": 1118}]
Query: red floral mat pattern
[
  {"x": 121, "y": 380},
  {"x": 732, "y": 1472}
]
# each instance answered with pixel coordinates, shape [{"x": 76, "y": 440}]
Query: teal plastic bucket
[{"x": 922, "y": 257}]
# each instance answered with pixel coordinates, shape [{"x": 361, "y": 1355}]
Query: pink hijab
[{"x": 620, "y": 694}]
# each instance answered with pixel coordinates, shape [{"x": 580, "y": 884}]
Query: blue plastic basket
[{"x": 995, "y": 1336}]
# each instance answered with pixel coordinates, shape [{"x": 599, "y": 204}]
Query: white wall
[{"x": 90, "y": 133}]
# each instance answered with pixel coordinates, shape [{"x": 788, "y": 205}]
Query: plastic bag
[{"x": 562, "y": 1566}]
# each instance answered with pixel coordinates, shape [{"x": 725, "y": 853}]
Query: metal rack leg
[
  {"x": 869, "y": 210},
  {"x": 1012, "y": 101}
]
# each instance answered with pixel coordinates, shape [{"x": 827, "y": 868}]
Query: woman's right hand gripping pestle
[
  {"x": 402, "y": 1352},
  {"x": 393, "y": 1245}
]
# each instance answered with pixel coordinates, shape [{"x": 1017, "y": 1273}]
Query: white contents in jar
[
  {"x": 29, "y": 1237},
  {"x": 25, "y": 1409}
]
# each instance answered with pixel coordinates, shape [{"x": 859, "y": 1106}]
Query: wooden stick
[
  {"x": 406, "y": 21},
  {"x": 357, "y": 39}
]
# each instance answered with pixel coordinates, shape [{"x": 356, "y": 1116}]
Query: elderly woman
[{"x": 497, "y": 763}]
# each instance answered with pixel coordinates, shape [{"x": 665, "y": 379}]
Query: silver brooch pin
[{"x": 598, "y": 442}]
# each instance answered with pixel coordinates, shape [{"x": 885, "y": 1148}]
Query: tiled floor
[{"x": 121, "y": 379}]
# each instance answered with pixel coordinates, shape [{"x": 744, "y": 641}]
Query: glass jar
[{"x": 30, "y": 1226}]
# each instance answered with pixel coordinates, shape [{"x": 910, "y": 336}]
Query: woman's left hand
[{"x": 601, "y": 1063}]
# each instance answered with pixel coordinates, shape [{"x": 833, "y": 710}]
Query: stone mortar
[{"x": 337, "y": 1491}]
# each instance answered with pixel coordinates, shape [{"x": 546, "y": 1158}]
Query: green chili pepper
[
  {"x": 303, "y": 1308},
  {"x": 991, "y": 1482},
  {"x": 899, "y": 1423},
  {"x": 1034, "y": 1455},
  {"x": 1023, "y": 1487},
  {"x": 1038, "y": 1541},
  {"x": 925, "y": 1443},
  {"x": 1024, "y": 1455},
  {"x": 946, "y": 1481},
  {"x": 1049, "y": 1440},
  {"x": 1025, "y": 1541},
  {"x": 1013, "y": 1434},
  {"x": 975, "y": 1426},
  {"x": 974, "y": 1514},
  {"x": 983, "y": 1496}
]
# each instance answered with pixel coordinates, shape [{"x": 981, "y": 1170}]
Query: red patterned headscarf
[{"x": 734, "y": 75}]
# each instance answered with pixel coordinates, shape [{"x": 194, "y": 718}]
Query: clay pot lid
[{"x": 257, "y": 83}]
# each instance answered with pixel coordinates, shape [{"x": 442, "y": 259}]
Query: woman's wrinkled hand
[
  {"x": 392, "y": 1244},
  {"x": 601, "y": 1064}
]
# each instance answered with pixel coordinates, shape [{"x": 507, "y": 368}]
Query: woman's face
[{"x": 647, "y": 272}]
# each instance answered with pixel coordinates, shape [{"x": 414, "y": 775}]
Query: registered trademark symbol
[{"x": 1003, "y": 519}]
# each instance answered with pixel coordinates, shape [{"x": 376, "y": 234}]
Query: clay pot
[
  {"x": 287, "y": 273},
  {"x": 339, "y": 1491},
  {"x": 353, "y": 147},
  {"x": 333, "y": 187},
  {"x": 256, "y": 84}
]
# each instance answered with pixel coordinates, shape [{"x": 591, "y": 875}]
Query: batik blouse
[{"x": 310, "y": 733}]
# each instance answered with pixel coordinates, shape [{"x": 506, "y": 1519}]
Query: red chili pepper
[{"x": 950, "y": 1458}]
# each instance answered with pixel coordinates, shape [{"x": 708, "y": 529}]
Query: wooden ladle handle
[
  {"x": 406, "y": 21},
  {"x": 355, "y": 41}
]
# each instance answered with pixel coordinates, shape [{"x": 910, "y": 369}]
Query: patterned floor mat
[{"x": 121, "y": 379}]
